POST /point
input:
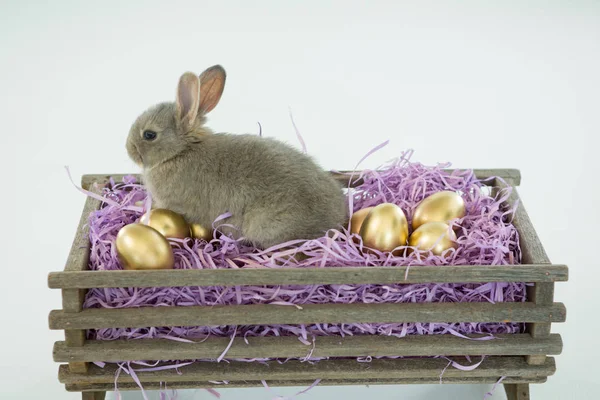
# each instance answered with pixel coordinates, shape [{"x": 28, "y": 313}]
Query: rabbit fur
[{"x": 274, "y": 192}]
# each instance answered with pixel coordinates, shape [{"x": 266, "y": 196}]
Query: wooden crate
[{"x": 522, "y": 359}]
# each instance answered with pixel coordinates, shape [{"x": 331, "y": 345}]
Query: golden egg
[
  {"x": 143, "y": 247},
  {"x": 357, "y": 219},
  {"x": 167, "y": 222},
  {"x": 200, "y": 232},
  {"x": 439, "y": 207},
  {"x": 385, "y": 227},
  {"x": 434, "y": 236}
]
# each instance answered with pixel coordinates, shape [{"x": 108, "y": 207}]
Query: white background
[{"x": 478, "y": 84}]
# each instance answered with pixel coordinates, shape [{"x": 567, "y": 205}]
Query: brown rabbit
[{"x": 274, "y": 192}]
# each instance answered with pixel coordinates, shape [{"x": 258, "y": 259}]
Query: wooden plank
[
  {"x": 72, "y": 298},
  {"x": 531, "y": 247},
  {"x": 536, "y": 359},
  {"x": 79, "y": 255},
  {"x": 290, "y": 347},
  {"x": 300, "y": 383},
  {"x": 517, "y": 391},
  {"x": 532, "y": 252},
  {"x": 510, "y": 175},
  {"x": 77, "y": 261},
  {"x": 88, "y": 180},
  {"x": 73, "y": 303},
  {"x": 308, "y": 276},
  {"x": 408, "y": 368},
  {"x": 74, "y": 338},
  {"x": 542, "y": 294},
  {"x": 260, "y": 314}
]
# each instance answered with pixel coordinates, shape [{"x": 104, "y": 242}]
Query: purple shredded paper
[{"x": 485, "y": 236}]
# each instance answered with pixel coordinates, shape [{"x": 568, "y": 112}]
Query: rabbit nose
[{"x": 134, "y": 153}]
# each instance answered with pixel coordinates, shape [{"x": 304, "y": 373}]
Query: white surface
[{"x": 487, "y": 86}]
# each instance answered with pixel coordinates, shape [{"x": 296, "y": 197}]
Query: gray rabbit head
[{"x": 167, "y": 129}]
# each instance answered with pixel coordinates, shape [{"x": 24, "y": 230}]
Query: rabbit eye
[{"x": 149, "y": 135}]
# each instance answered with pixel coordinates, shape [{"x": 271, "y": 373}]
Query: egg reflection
[
  {"x": 141, "y": 247},
  {"x": 385, "y": 227},
  {"x": 443, "y": 206},
  {"x": 167, "y": 222},
  {"x": 436, "y": 237},
  {"x": 200, "y": 232},
  {"x": 358, "y": 218}
]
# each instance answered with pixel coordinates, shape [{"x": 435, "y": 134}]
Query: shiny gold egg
[
  {"x": 439, "y": 207},
  {"x": 385, "y": 227},
  {"x": 167, "y": 222},
  {"x": 357, "y": 219},
  {"x": 142, "y": 247},
  {"x": 200, "y": 232},
  {"x": 434, "y": 236}
]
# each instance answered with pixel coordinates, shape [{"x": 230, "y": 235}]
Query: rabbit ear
[
  {"x": 188, "y": 98},
  {"x": 212, "y": 83}
]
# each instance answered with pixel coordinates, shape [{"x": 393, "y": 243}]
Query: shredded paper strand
[{"x": 485, "y": 236}]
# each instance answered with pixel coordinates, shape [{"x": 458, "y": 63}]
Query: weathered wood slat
[
  {"x": 325, "y": 346},
  {"x": 308, "y": 276},
  {"x": 541, "y": 293},
  {"x": 77, "y": 261},
  {"x": 512, "y": 176},
  {"x": 76, "y": 338},
  {"x": 325, "y": 369},
  {"x": 532, "y": 252},
  {"x": 82, "y": 387},
  {"x": 311, "y": 313},
  {"x": 531, "y": 247},
  {"x": 79, "y": 254}
]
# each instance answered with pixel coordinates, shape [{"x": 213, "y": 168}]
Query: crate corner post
[{"x": 73, "y": 298}]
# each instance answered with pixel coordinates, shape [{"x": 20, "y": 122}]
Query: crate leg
[
  {"x": 517, "y": 391},
  {"x": 93, "y": 395}
]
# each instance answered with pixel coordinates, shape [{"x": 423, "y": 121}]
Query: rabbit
[{"x": 274, "y": 192}]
